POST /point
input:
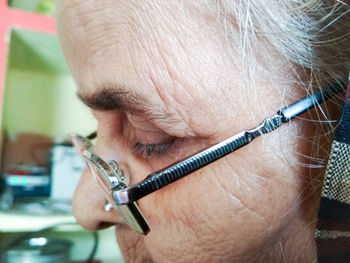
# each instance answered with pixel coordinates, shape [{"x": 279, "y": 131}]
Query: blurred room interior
[{"x": 39, "y": 167}]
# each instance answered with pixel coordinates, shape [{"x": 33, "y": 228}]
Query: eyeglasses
[{"x": 122, "y": 197}]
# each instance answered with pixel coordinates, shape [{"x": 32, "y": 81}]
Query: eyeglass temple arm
[{"x": 170, "y": 174}]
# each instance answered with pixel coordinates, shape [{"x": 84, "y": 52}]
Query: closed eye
[{"x": 147, "y": 150}]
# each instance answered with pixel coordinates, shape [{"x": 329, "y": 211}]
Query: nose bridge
[
  {"x": 118, "y": 157},
  {"x": 124, "y": 173},
  {"x": 112, "y": 144},
  {"x": 110, "y": 135},
  {"x": 111, "y": 149}
]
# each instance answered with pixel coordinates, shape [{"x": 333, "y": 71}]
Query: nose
[
  {"x": 90, "y": 194},
  {"x": 89, "y": 197},
  {"x": 88, "y": 205}
]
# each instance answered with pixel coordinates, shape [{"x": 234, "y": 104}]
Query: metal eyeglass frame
[{"x": 123, "y": 197}]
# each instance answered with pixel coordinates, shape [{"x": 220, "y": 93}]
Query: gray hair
[
  {"x": 311, "y": 35},
  {"x": 309, "y": 39}
]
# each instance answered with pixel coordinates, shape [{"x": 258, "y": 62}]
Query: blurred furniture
[{"x": 30, "y": 53}]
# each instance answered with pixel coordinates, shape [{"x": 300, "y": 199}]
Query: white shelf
[{"x": 21, "y": 222}]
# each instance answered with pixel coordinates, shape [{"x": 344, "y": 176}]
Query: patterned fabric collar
[{"x": 333, "y": 226}]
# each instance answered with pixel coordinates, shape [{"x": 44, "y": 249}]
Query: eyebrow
[{"x": 115, "y": 97}]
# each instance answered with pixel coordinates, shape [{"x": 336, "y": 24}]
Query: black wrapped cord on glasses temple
[
  {"x": 180, "y": 169},
  {"x": 312, "y": 100}
]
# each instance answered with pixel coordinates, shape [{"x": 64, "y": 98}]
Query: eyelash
[{"x": 147, "y": 150}]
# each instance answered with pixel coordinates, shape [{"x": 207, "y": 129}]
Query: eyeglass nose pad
[
  {"x": 124, "y": 173},
  {"x": 122, "y": 170}
]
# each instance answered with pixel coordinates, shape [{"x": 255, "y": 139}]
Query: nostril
[
  {"x": 104, "y": 225},
  {"x": 97, "y": 221}
]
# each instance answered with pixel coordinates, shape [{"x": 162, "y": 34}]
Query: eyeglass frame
[{"x": 123, "y": 198}]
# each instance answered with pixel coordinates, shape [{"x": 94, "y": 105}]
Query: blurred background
[{"x": 39, "y": 168}]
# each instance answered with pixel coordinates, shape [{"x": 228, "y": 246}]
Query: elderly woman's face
[{"x": 160, "y": 75}]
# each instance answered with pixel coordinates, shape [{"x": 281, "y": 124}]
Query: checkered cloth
[{"x": 333, "y": 226}]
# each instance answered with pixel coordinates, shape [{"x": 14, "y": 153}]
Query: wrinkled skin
[{"x": 256, "y": 204}]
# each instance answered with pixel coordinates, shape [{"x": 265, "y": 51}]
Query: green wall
[{"x": 40, "y": 94}]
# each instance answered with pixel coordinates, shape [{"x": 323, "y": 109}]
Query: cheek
[
  {"x": 132, "y": 245},
  {"x": 238, "y": 204}
]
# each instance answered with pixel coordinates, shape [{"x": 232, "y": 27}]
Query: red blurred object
[{"x": 18, "y": 172}]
